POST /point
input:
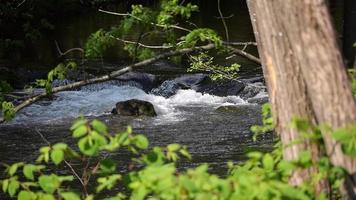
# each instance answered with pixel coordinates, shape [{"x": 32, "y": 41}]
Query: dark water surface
[{"x": 188, "y": 118}]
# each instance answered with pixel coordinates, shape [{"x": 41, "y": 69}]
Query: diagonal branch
[
  {"x": 139, "y": 19},
  {"x": 110, "y": 75},
  {"x": 141, "y": 44},
  {"x": 244, "y": 54}
]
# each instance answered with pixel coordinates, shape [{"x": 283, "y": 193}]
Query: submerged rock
[
  {"x": 228, "y": 109},
  {"x": 134, "y": 107},
  {"x": 241, "y": 109},
  {"x": 169, "y": 88},
  {"x": 259, "y": 100},
  {"x": 220, "y": 88},
  {"x": 191, "y": 80}
]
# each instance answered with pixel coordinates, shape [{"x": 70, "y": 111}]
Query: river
[{"x": 188, "y": 117}]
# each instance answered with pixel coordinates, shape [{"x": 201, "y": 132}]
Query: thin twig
[
  {"x": 142, "y": 45},
  {"x": 244, "y": 54},
  {"x": 223, "y": 21},
  {"x": 227, "y": 17},
  {"x": 68, "y": 51},
  {"x": 20, "y": 4},
  {"x": 67, "y": 163},
  {"x": 139, "y": 19},
  {"x": 240, "y": 43}
]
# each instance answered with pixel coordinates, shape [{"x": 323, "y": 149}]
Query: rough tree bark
[{"x": 305, "y": 74}]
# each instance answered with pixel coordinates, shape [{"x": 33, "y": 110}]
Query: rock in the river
[
  {"x": 241, "y": 109},
  {"x": 145, "y": 80},
  {"x": 169, "y": 88},
  {"x": 228, "y": 109},
  {"x": 191, "y": 80},
  {"x": 220, "y": 88},
  {"x": 134, "y": 107},
  {"x": 259, "y": 100}
]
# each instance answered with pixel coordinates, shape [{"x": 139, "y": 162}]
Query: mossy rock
[{"x": 135, "y": 107}]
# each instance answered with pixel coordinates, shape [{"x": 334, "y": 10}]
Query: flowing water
[{"x": 189, "y": 118}]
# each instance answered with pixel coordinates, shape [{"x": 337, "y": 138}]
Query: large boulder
[
  {"x": 191, "y": 80},
  {"x": 145, "y": 81},
  {"x": 169, "y": 88},
  {"x": 220, "y": 88},
  {"x": 134, "y": 107}
]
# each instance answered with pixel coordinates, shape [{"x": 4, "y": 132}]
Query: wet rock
[
  {"x": 135, "y": 107},
  {"x": 228, "y": 109},
  {"x": 241, "y": 109},
  {"x": 251, "y": 90},
  {"x": 259, "y": 100},
  {"x": 253, "y": 79},
  {"x": 169, "y": 88},
  {"x": 220, "y": 88},
  {"x": 191, "y": 80},
  {"x": 146, "y": 81}
]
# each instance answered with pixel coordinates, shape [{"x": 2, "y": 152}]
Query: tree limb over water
[{"x": 109, "y": 76}]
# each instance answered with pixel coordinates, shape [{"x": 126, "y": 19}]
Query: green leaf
[
  {"x": 78, "y": 123},
  {"x": 141, "y": 141},
  {"x": 13, "y": 168},
  {"x": 28, "y": 171},
  {"x": 5, "y": 185},
  {"x": 57, "y": 156},
  {"x": 49, "y": 183},
  {"x": 87, "y": 146},
  {"x": 173, "y": 147},
  {"x": 47, "y": 197},
  {"x": 107, "y": 166},
  {"x": 268, "y": 162},
  {"x": 60, "y": 146},
  {"x": 13, "y": 187},
  {"x": 99, "y": 126},
  {"x": 69, "y": 196},
  {"x": 80, "y": 131},
  {"x": 26, "y": 195}
]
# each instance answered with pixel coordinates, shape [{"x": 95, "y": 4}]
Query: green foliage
[
  {"x": 140, "y": 53},
  {"x": 97, "y": 43},
  {"x": 8, "y": 110},
  {"x": 204, "y": 62},
  {"x": 201, "y": 35},
  {"x": 267, "y": 122},
  {"x": 261, "y": 176},
  {"x": 347, "y": 138},
  {"x": 172, "y": 8},
  {"x": 352, "y": 74},
  {"x": 145, "y": 23},
  {"x": 59, "y": 72}
]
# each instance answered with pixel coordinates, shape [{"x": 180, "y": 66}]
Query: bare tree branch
[
  {"x": 110, "y": 75},
  {"x": 223, "y": 21},
  {"x": 139, "y": 19},
  {"x": 240, "y": 43},
  {"x": 142, "y": 45},
  {"x": 67, "y": 163},
  {"x": 68, "y": 51},
  {"x": 244, "y": 54}
]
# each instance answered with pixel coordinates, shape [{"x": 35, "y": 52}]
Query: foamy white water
[{"x": 100, "y": 99}]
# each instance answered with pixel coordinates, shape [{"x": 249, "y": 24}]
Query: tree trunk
[{"x": 305, "y": 74}]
